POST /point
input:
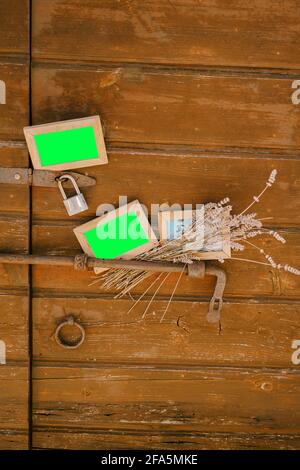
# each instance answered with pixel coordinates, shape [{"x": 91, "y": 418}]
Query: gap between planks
[
  {"x": 149, "y": 149},
  {"x": 158, "y": 68},
  {"x": 168, "y": 367},
  {"x": 54, "y": 294},
  {"x": 15, "y": 58},
  {"x": 150, "y": 432}
]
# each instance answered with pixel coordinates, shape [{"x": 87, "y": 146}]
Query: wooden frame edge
[{"x": 95, "y": 122}]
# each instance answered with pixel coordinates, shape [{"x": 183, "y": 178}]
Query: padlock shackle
[{"x": 60, "y": 180}]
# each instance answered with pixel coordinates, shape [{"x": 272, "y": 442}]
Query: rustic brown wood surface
[
  {"x": 262, "y": 33},
  {"x": 14, "y": 398},
  {"x": 171, "y": 107},
  {"x": 195, "y": 98},
  {"x": 143, "y": 439},
  {"x": 200, "y": 399},
  {"x": 14, "y": 327},
  {"x": 13, "y": 154},
  {"x": 14, "y": 31},
  {"x": 14, "y": 208},
  {"x": 243, "y": 280},
  {"x": 208, "y": 128},
  {"x": 251, "y": 334},
  {"x": 158, "y": 177},
  {"x": 13, "y": 440},
  {"x": 14, "y": 226},
  {"x": 16, "y": 113}
]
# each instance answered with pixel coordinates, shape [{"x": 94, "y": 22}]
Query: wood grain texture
[
  {"x": 243, "y": 279},
  {"x": 206, "y": 88},
  {"x": 14, "y": 199},
  {"x": 14, "y": 32},
  {"x": 261, "y": 34},
  {"x": 14, "y": 327},
  {"x": 14, "y": 207},
  {"x": 185, "y": 178},
  {"x": 14, "y": 398},
  {"x": 208, "y": 400},
  {"x": 252, "y": 334},
  {"x": 112, "y": 439},
  {"x": 13, "y": 440},
  {"x": 171, "y": 107},
  {"x": 13, "y": 278},
  {"x": 14, "y": 231},
  {"x": 13, "y": 154},
  {"x": 15, "y": 113},
  {"x": 14, "y": 235}
]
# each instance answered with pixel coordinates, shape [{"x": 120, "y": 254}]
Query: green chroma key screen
[
  {"x": 116, "y": 237},
  {"x": 66, "y": 146}
]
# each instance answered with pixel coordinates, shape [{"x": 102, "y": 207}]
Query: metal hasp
[
  {"x": 82, "y": 262},
  {"x": 42, "y": 178}
]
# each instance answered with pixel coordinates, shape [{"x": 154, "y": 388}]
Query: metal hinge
[{"x": 44, "y": 178}]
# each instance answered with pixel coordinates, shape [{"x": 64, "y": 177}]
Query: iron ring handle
[{"x": 61, "y": 341}]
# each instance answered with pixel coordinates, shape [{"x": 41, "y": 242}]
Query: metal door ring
[{"x": 61, "y": 341}]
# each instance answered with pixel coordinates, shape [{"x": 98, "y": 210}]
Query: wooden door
[
  {"x": 195, "y": 97},
  {"x": 14, "y": 225}
]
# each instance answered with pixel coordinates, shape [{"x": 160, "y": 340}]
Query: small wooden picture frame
[
  {"x": 221, "y": 250},
  {"x": 172, "y": 224},
  {"x": 123, "y": 233},
  {"x": 66, "y": 145}
]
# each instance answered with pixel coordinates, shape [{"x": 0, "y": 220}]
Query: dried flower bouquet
[{"x": 242, "y": 227}]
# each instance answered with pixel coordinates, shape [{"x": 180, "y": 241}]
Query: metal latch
[
  {"x": 44, "y": 178},
  {"x": 82, "y": 262}
]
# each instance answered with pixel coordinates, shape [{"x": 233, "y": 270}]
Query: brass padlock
[{"x": 74, "y": 204}]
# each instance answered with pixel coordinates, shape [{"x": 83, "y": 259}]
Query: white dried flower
[
  {"x": 253, "y": 233},
  {"x": 272, "y": 178},
  {"x": 277, "y": 236},
  {"x": 292, "y": 270},
  {"x": 237, "y": 246},
  {"x": 223, "y": 202}
]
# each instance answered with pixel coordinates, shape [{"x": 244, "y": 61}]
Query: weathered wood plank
[
  {"x": 112, "y": 439},
  {"x": 252, "y": 334},
  {"x": 208, "y": 400},
  {"x": 13, "y": 277},
  {"x": 15, "y": 113},
  {"x": 160, "y": 178},
  {"x": 14, "y": 199},
  {"x": 14, "y": 32},
  {"x": 175, "y": 32},
  {"x": 14, "y": 398},
  {"x": 14, "y": 235},
  {"x": 13, "y": 154},
  {"x": 14, "y": 327},
  {"x": 13, "y": 440},
  {"x": 14, "y": 207},
  {"x": 244, "y": 279},
  {"x": 170, "y": 107}
]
